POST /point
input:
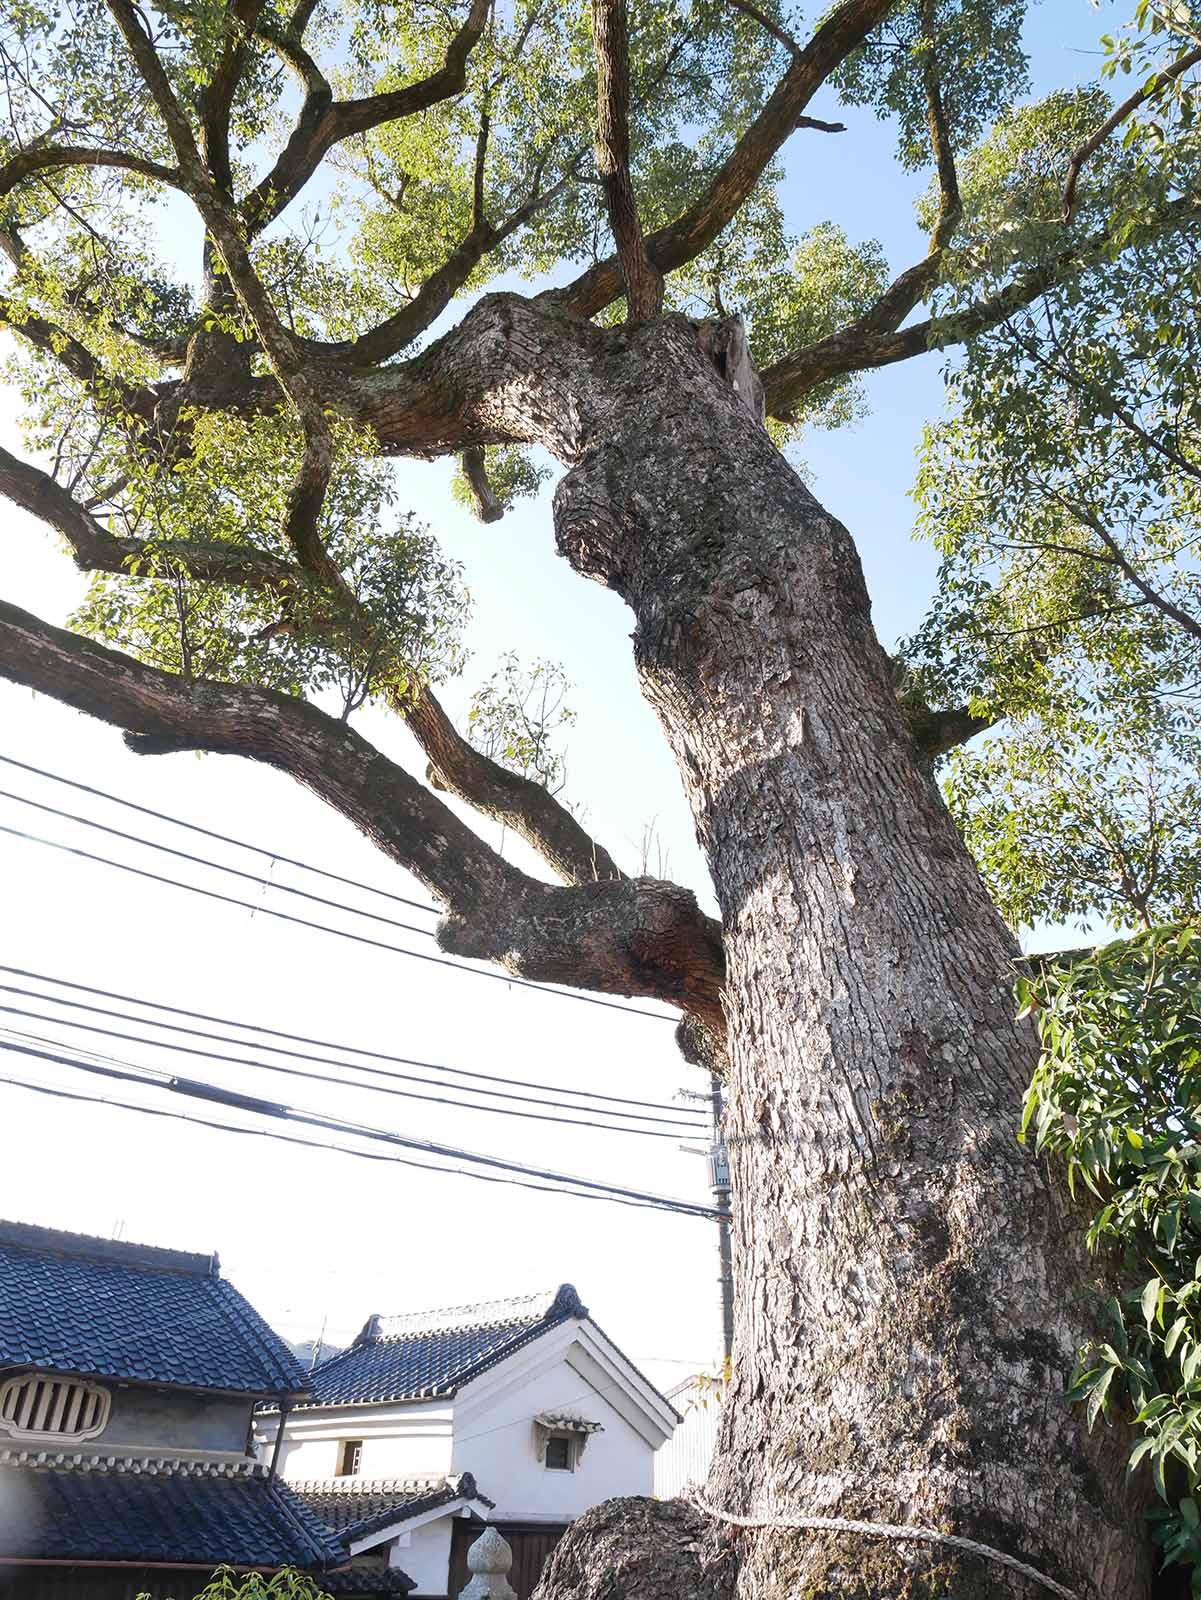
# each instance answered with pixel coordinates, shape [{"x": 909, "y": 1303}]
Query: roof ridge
[
  {"x": 166, "y": 1465},
  {"x": 559, "y": 1302},
  {"x": 364, "y": 1486},
  {"x": 122, "y": 1252},
  {"x": 257, "y": 1328}
]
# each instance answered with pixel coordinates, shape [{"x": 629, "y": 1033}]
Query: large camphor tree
[{"x": 912, "y": 1286}]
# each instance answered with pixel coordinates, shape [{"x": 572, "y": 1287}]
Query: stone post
[{"x": 488, "y": 1561}]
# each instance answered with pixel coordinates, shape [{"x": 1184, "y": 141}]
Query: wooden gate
[{"x": 531, "y": 1543}]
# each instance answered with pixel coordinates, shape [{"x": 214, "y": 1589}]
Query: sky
[{"x": 319, "y": 1240}]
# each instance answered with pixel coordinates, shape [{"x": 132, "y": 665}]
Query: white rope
[{"x": 885, "y": 1530}]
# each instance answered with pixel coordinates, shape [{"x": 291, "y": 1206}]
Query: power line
[
  {"x": 339, "y": 933},
  {"x": 217, "y": 866},
  {"x": 300, "y": 1038},
  {"x": 59, "y": 1093},
  {"x": 341, "y": 1083},
  {"x": 201, "y": 1090},
  {"x": 210, "y": 833}
]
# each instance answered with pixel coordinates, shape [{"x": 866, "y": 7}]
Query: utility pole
[
  {"x": 719, "y": 1183},
  {"x": 719, "y": 1177}
]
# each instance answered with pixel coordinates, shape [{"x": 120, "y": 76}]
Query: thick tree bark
[{"x": 912, "y": 1286}]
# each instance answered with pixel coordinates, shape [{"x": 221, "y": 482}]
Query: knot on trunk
[
  {"x": 725, "y": 343},
  {"x": 702, "y": 1046},
  {"x": 632, "y": 936}
]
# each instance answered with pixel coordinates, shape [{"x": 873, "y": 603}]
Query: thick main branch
[{"x": 628, "y": 936}]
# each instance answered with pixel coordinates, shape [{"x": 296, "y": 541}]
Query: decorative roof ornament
[
  {"x": 430, "y": 1354},
  {"x": 489, "y": 1560}
]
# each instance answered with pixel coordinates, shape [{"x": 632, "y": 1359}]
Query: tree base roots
[{"x": 633, "y": 1549}]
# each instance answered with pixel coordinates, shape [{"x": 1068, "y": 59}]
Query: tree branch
[
  {"x": 611, "y": 46},
  {"x": 936, "y": 733},
  {"x": 1150, "y": 594},
  {"x": 527, "y": 808},
  {"x": 179, "y": 129},
  {"x": 75, "y": 358},
  {"x": 324, "y": 122},
  {"x": 861, "y": 345},
  {"x": 1127, "y": 108},
  {"x": 52, "y": 157},
  {"x": 95, "y": 549},
  {"x": 779, "y": 34},
  {"x": 435, "y": 294},
  {"x": 950, "y": 207},
  {"x": 455, "y": 766},
  {"x": 487, "y": 507},
  {"x": 671, "y": 246},
  {"x": 629, "y": 937},
  {"x": 217, "y": 97}
]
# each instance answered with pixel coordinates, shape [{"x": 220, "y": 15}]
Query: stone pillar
[{"x": 488, "y": 1561}]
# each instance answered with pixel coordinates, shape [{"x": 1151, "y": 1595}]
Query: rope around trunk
[{"x": 886, "y": 1530}]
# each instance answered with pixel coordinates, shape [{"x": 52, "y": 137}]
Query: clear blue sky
[{"x": 310, "y": 1237}]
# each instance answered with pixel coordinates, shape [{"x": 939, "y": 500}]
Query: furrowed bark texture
[{"x": 912, "y": 1287}]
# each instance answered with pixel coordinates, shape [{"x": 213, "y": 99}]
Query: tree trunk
[{"x": 911, "y": 1286}]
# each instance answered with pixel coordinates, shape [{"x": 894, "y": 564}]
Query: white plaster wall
[
  {"x": 685, "y": 1458},
  {"x": 426, "y": 1556},
  {"x": 409, "y": 1441},
  {"x": 495, "y": 1441}
]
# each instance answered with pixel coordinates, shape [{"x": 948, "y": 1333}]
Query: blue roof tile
[
  {"x": 171, "y": 1517},
  {"x": 103, "y": 1308},
  {"x": 432, "y": 1354},
  {"x": 368, "y": 1580}
]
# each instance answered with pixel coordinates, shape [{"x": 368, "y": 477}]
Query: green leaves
[
  {"x": 1117, "y": 1096},
  {"x": 518, "y": 718},
  {"x": 398, "y": 624},
  {"x": 976, "y": 46}
]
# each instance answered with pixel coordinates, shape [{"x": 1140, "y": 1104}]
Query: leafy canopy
[{"x": 1117, "y": 1097}]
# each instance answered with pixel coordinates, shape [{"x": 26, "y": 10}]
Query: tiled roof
[
  {"x": 432, "y": 1353},
  {"x": 367, "y": 1580},
  {"x": 103, "y": 1308},
  {"x": 356, "y": 1507},
  {"x": 173, "y": 1518}
]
